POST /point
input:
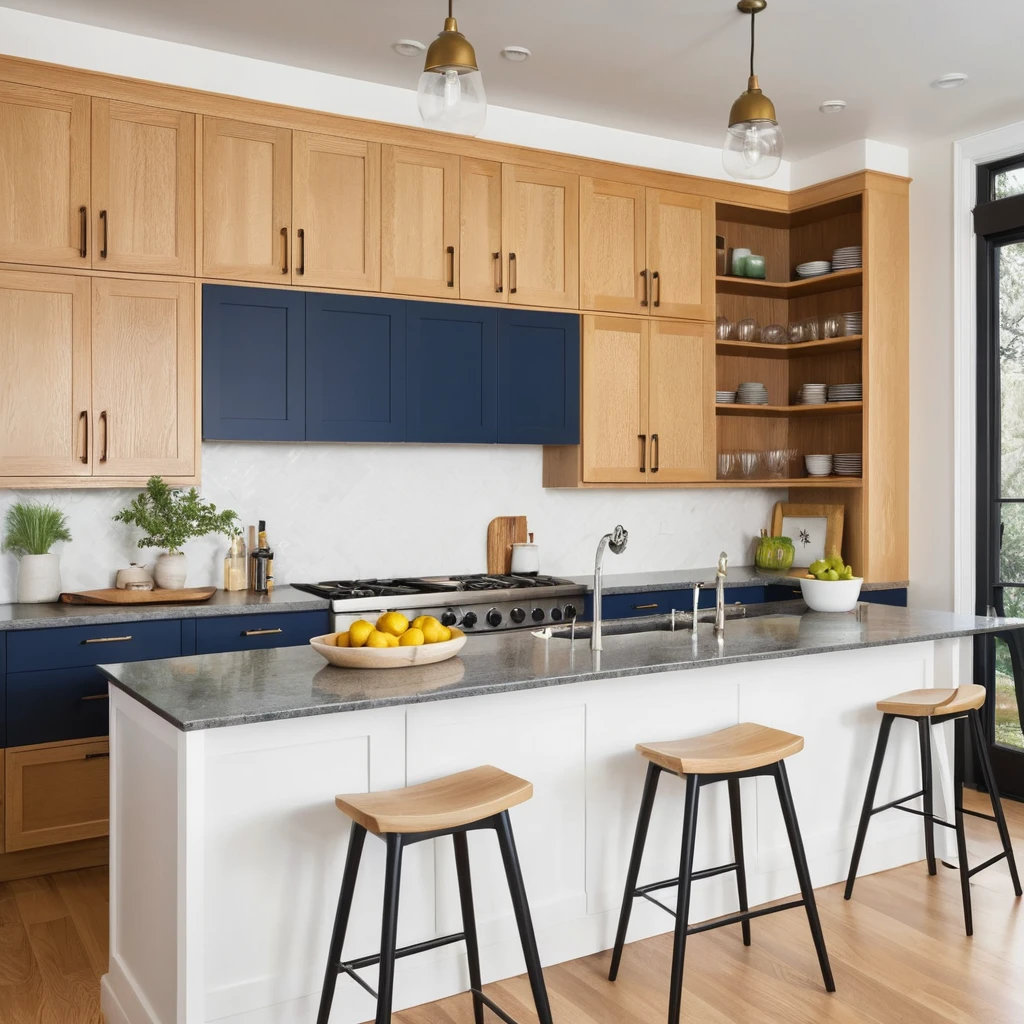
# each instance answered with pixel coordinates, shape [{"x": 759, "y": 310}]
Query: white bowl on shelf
[{"x": 831, "y": 595}]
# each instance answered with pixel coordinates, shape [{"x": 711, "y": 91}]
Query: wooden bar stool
[
  {"x": 450, "y": 806},
  {"x": 928, "y": 708},
  {"x": 725, "y": 756}
]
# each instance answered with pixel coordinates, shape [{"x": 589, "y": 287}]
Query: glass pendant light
[
  {"x": 753, "y": 140},
  {"x": 451, "y": 90}
]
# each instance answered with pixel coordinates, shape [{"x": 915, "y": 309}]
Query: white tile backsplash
[{"x": 348, "y": 510}]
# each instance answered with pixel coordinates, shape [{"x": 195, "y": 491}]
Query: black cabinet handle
[
  {"x": 103, "y": 222},
  {"x": 284, "y": 246},
  {"x": 105, "y": 420},
  {"x": 451, "y": 265},
  {"x": 499, "y": 287},
  {"x": 513, "y": 274},
  {"x": 656, "y": 288},
  {"x": 83, "y": 417},
  {"x": 94, "y": 757},
  {"x": 655, "y": 453},
  {"x": 643, "y": 274},
  {"x": 301, "y": 268},
  {"x": 643, "y": 452},
  {"x": 83, "y": 217}
]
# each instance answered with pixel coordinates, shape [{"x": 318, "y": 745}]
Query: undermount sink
[{"x": 642, "y": 624}]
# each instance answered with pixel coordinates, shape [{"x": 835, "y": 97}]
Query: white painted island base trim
[{"x": 227, "y": 850}]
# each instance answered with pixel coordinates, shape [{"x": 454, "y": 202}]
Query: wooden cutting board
[
  {"x": 114, "y": 596},
  {"x": 502, "y": 533}
]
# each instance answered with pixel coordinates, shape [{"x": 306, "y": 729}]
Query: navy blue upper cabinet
[
  {"x": 355, "y": 368},
  {"x": 254, "y": 364},
  {"x": 452, "y": 373},
  {"x": 538, "y": 378}
]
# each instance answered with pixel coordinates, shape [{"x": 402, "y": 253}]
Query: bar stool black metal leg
[
  {"x": 924, "y": 729},
  {"x": 802, "y": 872},
  {"x": 639, "y": 840},
  {"x": 469, "y": 922},
  {"x": 507, "y": 845},
  {"x": 356, "y": 838},
  {"x": 988, "y": 777},
  {"x": 675, "y": 991},
  {"x": 869, "y": 801},
  {"x": 959, "y": 758},
  {"x": 737, "y": 849},
  {"x": 389, "y": 928}
]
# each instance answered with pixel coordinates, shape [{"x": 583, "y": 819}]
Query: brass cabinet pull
[
  {"x": 513, "y": 274},
  {"x": 451, "y": 265},
  {"x": 97, "y": 696},
  {"x": 105, "y": 420},
  {"x": 301, "y": 267},
  {"x": 261, "y": 632},
  {"x": 643, "y": 452},
  {"x": 656, "y": 287},
  {"x": 644, "y": 607},
  {"x": 106, "y": 639},
  {"x": 93, "y": 757},
  {"x": 83, "y": 217},
  {"x": 284, "y": 247},
  {"x": 643, "y": 274},
  {"x": 103, "y": 222},
  {"x": 499, "y": 287},
  {"x": 83, "y": 417},
  {"x": 655, "y": 453}
]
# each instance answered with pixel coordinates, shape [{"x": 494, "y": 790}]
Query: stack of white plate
[
  {"x": 752, "y": 393},
  {"x": 854, "y": 322},
  {"x": 847, "y": 258},
  {"x": 813, "y": 269},
  {"x": 818, "y": 465},
  {"x": 725, "y": 397},
  {"x": 812, "y": 394},
  {"x": 850, "y": 464},
  {"x": 846, "y": 392}
]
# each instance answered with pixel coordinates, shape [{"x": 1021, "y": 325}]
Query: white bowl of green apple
[{"x": 830, "y": 586}]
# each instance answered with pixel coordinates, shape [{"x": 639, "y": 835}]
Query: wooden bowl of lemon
[{"x": 394, "y": 642}]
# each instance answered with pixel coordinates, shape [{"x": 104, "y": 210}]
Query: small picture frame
[{"x": 816, "y": 530}]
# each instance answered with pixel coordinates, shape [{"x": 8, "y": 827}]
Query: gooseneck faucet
[
  {"x": 616, "y": 540},
  {"x": 723, "y": 564}
]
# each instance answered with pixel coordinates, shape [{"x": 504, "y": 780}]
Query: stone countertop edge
[
  {"x": 240, "y": 602},
  {"x": 683, "y": 579},
  {"x": 173, "y": 687}
]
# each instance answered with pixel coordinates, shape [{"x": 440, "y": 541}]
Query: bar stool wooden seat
[
  {"x": 933, "y": 707},
  {"x": 728, "y": 755},
  {"x": 454, "y": 805}
]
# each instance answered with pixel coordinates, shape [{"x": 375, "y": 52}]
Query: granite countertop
[
  {"x": 241, "y": 602},
  {"x": 216, "y": 690},
  {"x": 682, "y": 579}
]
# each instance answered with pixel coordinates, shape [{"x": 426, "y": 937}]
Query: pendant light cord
[
  {"x": 753, "y": 15},
  {"x": 450, "y": 14}
]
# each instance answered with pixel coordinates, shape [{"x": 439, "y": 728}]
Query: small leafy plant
[
  {"x": 170, "y": 517},
  {"x": 32, "y": 529}
]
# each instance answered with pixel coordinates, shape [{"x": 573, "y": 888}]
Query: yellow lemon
[
  {"x": 447, "y": 633},
  {"x": 433, "y": 631},
  {"x": 359, "y": 632},
  {"x": 377, "y": 639},
  {"x": 392, "y": 639},
  {"x": 412, "y": 637},
  {"x": 421, "y": 620},
  {"x": 342, "y": 640},
  {"x": 456, "y": 633},
  {"x": 394, "y": 623}
]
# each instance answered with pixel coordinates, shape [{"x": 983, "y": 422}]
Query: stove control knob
[
  {"x": 517, "y": 615},
  {"x": 449, "y": 618},
  {"x": 556, "y": 614},
  {"x": 569, "y": 611},
  {"x": 538, "y": 614},
  {"x": 469, "y": 620},
  {"x": 494, "y": 617}
]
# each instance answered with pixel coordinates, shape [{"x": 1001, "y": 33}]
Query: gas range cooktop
[{"x": 481, "y": 602}]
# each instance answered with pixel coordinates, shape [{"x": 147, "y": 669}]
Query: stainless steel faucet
[
  {"x": 723, "y": 564},
  {"x": 616, "y": 540}
]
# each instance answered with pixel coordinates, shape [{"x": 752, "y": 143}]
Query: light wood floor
[{"x": 898, "y": 952}]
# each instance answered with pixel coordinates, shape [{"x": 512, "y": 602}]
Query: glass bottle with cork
[
  {"x": 261, "y": 564},
  {"x": 235, "y": 564}
]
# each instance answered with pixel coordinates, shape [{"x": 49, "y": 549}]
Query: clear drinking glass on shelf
[
  {"x": 832, "y": 326},
  {"x": 812, "y": 329},
  {"x": 726, "y": 465},
  {"x": 750, "y": 464},
  {"x": 723, "y": 328},
  {"x": 746, "y": 329},
  {"x": 774, "y": 334},
  {"x": 796, "y": 332}
]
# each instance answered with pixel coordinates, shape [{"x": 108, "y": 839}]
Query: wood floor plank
[{"x": 85, "y": 895}]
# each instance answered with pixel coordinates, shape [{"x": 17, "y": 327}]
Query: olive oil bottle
[{"x": 261, "y": 564}]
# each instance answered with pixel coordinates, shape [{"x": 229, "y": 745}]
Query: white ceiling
[{"x": 663, "y": 67}]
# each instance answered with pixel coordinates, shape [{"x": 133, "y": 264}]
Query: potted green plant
[
  {"x": 169, "y": 518},
  {"x": 30, "y": 530}
]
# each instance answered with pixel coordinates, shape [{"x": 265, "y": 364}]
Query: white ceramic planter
[
  {"x": 170, "y": 570},
  {"x": 39, "y": 578}
]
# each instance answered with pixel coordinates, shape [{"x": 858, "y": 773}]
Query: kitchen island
[{"x": 227, "y": 850}]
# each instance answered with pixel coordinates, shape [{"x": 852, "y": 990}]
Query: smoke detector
[
  {"x": 832, "y": 106},
  {"x": 516, "y": 54},
  {"x": 951, "y": 81},
  {"x": 408, "y": 47}
]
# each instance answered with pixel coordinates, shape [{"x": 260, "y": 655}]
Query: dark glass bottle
[{"x": 261, "y": 575}]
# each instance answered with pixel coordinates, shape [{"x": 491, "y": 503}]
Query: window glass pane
[
  {"x": 1008, "y": 183},
  {"x": 1011, "y": 368},
  {"x": 1008, "y": 730},
  {"x": 1011, "y": 552}
]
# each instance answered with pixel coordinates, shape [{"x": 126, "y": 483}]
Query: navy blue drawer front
[
  {"x": 31, "y": 650},
  {"x": 61, "y": 704},
  {"x": 257, "y": 632},
  {"x": 661, "y": 602}
]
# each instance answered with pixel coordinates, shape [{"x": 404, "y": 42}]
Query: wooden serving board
[
  {"x": 111, "y": 595},
  {"x": 502, "y": 533}
]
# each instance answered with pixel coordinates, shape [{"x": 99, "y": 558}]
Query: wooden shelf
[
  {"x": 805, "y": 481},
  {"x": 828, "y": 409},
  {"x": 789, "y": 289},
  {"x": 761, "y": 350}
]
